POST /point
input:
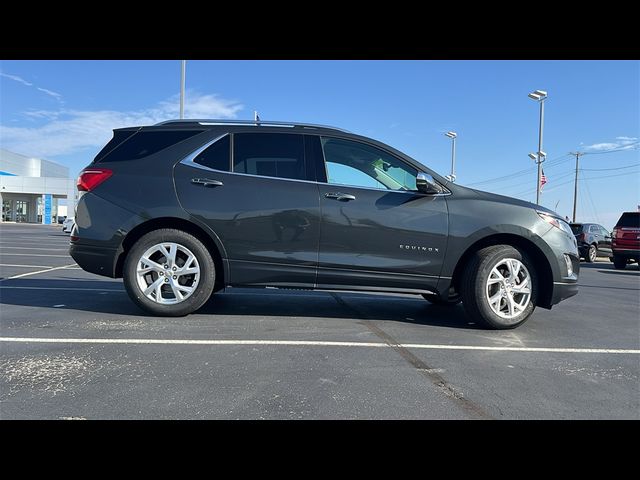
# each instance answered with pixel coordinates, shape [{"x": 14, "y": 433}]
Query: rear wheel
[
  {"x": 169, "y": 272},
  {"x": 500, "y": 287},
  {"x": 592, "y": 254},
  {"x": 620, "y": 263}
]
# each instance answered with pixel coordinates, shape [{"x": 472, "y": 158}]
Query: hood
[{"x": 494, "y": 197}]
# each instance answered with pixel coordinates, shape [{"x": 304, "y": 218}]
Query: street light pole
[
  {"x": 182, "y": 81},
  {"x": 540, "y": 96},
  {"x": 575, "y": 184},
  {"x": 452, "y": 136}
]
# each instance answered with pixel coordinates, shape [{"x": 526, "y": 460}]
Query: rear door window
[
  {"x": 217, "y": 156},
  {"x": 279, "y": 155}
]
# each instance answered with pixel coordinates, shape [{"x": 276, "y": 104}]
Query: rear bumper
[
  {"x": 98, "y": 260},
  {"x": 626, "y": 252},
  {"x": 563, "y": 290}
]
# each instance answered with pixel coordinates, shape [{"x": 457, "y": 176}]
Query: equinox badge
[{"x": 420, "y": 248}]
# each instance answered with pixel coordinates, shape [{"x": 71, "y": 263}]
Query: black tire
[
  {"x": 619, "y": 263},
  {"x": 474, "y": 283},
  {"x": 592, "y": 254},
  {"x": 204, "y": 286},
  {"x": 453, "y": 299}
]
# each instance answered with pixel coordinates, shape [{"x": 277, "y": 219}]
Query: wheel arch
[
  {"x": 208, "y": 238},
  {"x": 544, "y": 271}
]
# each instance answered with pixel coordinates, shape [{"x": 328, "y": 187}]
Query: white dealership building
[{"x": 31, "y": 189}]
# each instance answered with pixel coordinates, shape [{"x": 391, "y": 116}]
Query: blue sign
[{"x": 46, "y": 211}]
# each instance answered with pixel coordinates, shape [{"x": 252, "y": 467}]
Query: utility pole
[
  {"x": 540, "y": 96},
  {"x": 182, "y": 79},
  {"x": 575, "y": 185}
]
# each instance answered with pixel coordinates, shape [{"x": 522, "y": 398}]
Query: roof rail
[{"x": 263, "y": 123}]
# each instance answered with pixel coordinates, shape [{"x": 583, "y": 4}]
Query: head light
[{"x": 556, "y": 222}]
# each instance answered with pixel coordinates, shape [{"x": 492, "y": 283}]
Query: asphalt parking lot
[{"x": 73, "y": 346}]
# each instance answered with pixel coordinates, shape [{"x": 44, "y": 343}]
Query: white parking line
[
  {"x": 64, "y": 288},
  {"x": 37, "y": 272},
  {"x": 311, "y": 343},
  {"x": 24, "y": 266},
  {"x": 34, "y": 248},
  {"x": 34, "y": 255}
]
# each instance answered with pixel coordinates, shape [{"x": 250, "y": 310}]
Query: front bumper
[{"x": 563, "y": 290}]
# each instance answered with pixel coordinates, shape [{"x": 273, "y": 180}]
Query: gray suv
[{"x": 183, "y": 209}]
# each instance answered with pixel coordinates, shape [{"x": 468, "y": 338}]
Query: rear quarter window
[{"x": 143, "y": 144}]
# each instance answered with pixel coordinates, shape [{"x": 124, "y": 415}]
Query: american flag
[{"x": 543, "y": 179}]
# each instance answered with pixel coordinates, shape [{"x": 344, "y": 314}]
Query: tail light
[
  {"x": 614, "y": 234},
  {"x": 582, "y": 237},
  {"x": 91, "y": 178}
]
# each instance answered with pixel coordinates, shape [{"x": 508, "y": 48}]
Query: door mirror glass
[{"x": 426, "y": 184}]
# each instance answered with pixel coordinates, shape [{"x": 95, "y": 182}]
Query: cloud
[
  {"x": 68, "y": 131},
  {"x": 55, "y": 95},
  {"x": 622, "y": 143},
  {"x": 21, "y": 80},
  {"x": 16, "y": 79}
]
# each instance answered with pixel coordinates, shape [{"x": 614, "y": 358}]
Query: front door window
[{"x": 361, "y": 165}]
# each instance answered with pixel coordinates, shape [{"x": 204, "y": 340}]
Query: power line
[
  {"x": 603, "y": 169},
  {"x": 570, "y": 181},
  {"x": 519, "y": 173},
  {"x": 552, "y": 163},
  {"x": 595, "y": 211}
]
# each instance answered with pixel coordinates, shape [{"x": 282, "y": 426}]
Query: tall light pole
[
  {"x": 182, "y": 79},
  {"x": 575, "y": 184},
  {"x": 539, "y": 96},
  {"x": 452, "y": 136}
]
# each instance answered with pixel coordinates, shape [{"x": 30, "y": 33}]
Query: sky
[{"x": 65, "y": 111}]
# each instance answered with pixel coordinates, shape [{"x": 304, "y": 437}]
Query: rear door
[
  {"x": 256, "y": 192},
  {"x": 377, "y": 230},
  {"x": 605, "y": 243}
]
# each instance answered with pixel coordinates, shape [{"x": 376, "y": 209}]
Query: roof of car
[{"x": 246, "y": 123}]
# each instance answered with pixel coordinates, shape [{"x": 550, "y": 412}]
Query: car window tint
[
  {"x": 217, "y": 155},
  {"x": 270, "y": 154},
  {"x": 361, "y": 165},
  {"x": 146, "y": 143}
]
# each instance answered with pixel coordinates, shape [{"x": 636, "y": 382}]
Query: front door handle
[
  {"x": 341, "y": 197},
  {"x": 207, "y": 182}
]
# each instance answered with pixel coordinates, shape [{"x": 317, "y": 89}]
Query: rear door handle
[
  {"x": 206, "y": 182},
  {"x": 341, "y": 197}
]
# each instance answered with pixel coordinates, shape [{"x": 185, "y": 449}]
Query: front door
[
  {"x": 377, "y": 230},
  {"x": 260, "y": 202}
]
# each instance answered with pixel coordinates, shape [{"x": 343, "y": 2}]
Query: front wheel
[
  {"x": 169, "y": 272},
  {"x": 500, "y": 287}
]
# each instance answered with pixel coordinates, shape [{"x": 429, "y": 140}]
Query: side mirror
[{"x": 426, "y": 184}]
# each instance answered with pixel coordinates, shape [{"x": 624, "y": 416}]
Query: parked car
[
  {"x": 67, "y": 225},
  {"x": 593, "y": 240},
  {"x": 626, "y": 240},
  {"x": 186, "y": 208}
]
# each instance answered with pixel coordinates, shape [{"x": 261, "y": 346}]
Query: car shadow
[{"x": 109, "y": 297}]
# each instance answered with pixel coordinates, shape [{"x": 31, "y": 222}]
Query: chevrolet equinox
[{"x": 183, "y": 209}]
